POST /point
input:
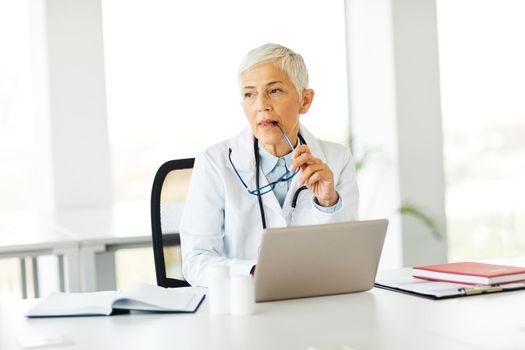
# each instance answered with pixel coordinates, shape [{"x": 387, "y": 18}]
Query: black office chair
[{"x": 167, "y": 199}]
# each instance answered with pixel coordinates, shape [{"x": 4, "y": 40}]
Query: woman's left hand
[{"x": 316, "y": 175}]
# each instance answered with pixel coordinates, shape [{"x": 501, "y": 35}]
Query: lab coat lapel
[
  {"x": 243, "y": 157},
  {"x": 313, "y": 143}
]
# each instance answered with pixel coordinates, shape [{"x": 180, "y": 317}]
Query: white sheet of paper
[
  {"x": 143, "y": 296},
  {"x": 42, "y": 341},
  {"x": 64, "y": 304}
]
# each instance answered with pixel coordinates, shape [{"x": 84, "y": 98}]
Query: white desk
[
  {"x": 27, "y": 234},
  {"x": 77, "y": 236},
  {"x": 377, "y": 319},
  {"x": 86, "y": 239},
  {"x": 100, "y": 231}
]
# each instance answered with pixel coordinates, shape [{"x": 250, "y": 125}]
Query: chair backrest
[{"x": 167, "y": 200}]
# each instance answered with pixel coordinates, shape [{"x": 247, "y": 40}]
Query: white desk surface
[
  {"x": 377, "y": 319},
  {"x": 79, "y": 235},
  {"x": 23, "y": 232},
  {"x": 113, "y": 225}
]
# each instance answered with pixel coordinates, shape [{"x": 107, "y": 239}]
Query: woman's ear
[{"x": 308, "y": 97}]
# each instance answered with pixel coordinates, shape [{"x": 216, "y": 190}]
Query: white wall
[
  {"x": 396, "y": 117},
  {"x": 420, "y": 139},
  {"x": 70, "y": 112},
  {"x": 373, "y": 117}
]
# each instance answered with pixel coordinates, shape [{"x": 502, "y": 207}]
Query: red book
[{"x": 470, "y": 273}]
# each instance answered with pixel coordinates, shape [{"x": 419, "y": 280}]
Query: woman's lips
[{"x": 267, "y": 124}]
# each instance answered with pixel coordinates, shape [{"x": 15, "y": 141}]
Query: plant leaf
[{"x": 411, "y": 210}]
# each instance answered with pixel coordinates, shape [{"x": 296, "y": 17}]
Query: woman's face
[{"x": 269, "y": 95}]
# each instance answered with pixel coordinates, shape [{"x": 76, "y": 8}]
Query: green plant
[
  {"x": 410, "y": 209},
  {"x": 405, "y": 208}
]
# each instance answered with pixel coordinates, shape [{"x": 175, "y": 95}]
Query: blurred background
[{"x": 96, "y": 94}]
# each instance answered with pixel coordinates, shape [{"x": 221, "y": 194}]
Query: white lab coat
[{"x": 221, "y": 222}]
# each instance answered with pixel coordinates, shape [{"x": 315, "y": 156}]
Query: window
[
  {"x": 171, "y": 71},
  {"x": 15, "y": 130},
  {"x": 15, "y": 108},
  {"x": 483, "y": 85}
]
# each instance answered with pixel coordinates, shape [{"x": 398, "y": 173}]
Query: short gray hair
[{"x": 290, "y": 62}]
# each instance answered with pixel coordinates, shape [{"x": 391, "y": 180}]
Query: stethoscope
[{"x": 259, "y": 197}]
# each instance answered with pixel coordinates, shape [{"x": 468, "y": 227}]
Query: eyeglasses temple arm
[
  {"x": 286, "y": 138},
  {"x": 235, "y": 169}
]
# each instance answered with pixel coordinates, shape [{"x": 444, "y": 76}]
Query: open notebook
[{"x": 141, "y": 296}]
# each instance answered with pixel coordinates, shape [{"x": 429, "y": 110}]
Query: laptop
[{"x": 307, "y": 261}]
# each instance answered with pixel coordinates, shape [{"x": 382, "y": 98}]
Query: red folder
[{"x": 470, "y": 273}]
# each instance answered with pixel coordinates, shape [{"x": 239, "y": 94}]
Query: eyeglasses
[{"x": 269, "y": 187}]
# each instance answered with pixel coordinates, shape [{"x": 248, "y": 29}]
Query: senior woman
[{"x": 275, "y": 173}]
